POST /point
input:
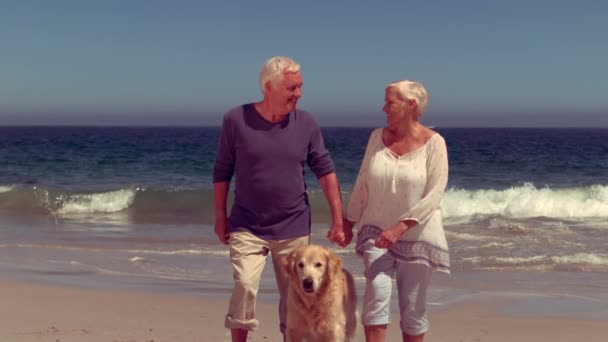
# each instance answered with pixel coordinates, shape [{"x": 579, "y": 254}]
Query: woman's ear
[
  {"x": 412, "y": 107},
  {"x": 411, "y": 104}
]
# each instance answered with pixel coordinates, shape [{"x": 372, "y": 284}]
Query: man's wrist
[{"x": 336, "y": 217}]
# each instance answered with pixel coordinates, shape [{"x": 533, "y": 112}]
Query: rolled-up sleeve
[
  {"x": 318, "y": 159},
  {"x": 223, "y": 168},
  {"x": 437, "y": 179}
]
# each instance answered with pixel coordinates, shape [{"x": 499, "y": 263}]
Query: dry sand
[{"x": 30, "y": 312}]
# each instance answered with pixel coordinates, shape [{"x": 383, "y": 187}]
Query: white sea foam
[
  {"x": 213, "y": 252},
  {"x": 528, "y": 201},
  {"x": 6, "y": 188},
  {"x": 359, "y": 278},
  {"x": 508, "y": 227},
  {"x": 464, "y": 236},
  {"x": 580, "y": 260},
  {"x": 180, "y": 252},
  {"x": 137, "y": 259},
  {"x": 348, "y": 250},
  {"x": 106, "y": 202},
  {"x": 520, "y": 261},
  {"x": 496, "y": 245}
]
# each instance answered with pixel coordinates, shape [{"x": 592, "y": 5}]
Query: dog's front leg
[
  {"x": 337, "y": 335},
  {"x": 291, "y": 335}
]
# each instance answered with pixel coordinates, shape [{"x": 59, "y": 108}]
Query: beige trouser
[{"x": 248, "y": 255}]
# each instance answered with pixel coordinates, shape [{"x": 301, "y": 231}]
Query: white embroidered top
[{"x": 392, "y": 188}]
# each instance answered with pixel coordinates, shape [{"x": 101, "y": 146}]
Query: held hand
[
  {"x": 340, "y": 235},
  {"x": 348, "y": 232},
  {"x": 221, "y": 229},
  {"x": 336, "y": 234},
  {"x": 390, "y": 235}
]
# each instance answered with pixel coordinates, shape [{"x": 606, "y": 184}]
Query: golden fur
[{"x": 321, "y": 300}]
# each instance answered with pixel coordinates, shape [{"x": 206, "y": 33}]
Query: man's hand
[
  {"x": 221, "y": 229},
  {"x": 341, "y": 235},
  {"x": 390, "y": 235},
  {"x": 220, "y": 194}
]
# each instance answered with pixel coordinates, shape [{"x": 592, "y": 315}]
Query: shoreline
[{"x": 37, "y": 312}]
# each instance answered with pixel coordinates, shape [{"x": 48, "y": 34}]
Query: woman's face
[{"x": 394, "y": 107}]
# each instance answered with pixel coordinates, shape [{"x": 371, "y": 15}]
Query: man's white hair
[
  {"x": 412, "y": 90},
  {"x": 274, "y": 69}
]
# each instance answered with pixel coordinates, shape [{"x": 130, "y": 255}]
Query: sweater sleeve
[
  {"x": 358, "y": 197},
  {"x": 223, "y": 168},
  {"x": 437, "y": 179},
  {"x": 319, "y": 159}
]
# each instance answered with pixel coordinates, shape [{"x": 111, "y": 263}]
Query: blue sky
[{"x": 485, "y": 63}]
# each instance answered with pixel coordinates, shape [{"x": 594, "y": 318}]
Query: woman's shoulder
[
  {"x": 430, "y": 135},
  {"x": 436, "y": 143},
  {"x": 375, "y": 139},
  {"x": 433, "y": 141}
]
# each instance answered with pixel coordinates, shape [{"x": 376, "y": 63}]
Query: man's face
[{"x": 284, "y": 95}]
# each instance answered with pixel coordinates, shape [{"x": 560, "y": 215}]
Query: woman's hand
[
  {"x": 348, "y": 232},
  {"x": 390, "y": 235}
]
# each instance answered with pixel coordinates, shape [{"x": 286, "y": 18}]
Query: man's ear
[{"x": 268, "y": 87}]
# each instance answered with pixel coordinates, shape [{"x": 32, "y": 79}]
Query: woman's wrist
[{"x": 405, "y": 225}]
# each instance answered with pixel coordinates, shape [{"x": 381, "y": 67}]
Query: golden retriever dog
[{"x": 321, "y": 300}]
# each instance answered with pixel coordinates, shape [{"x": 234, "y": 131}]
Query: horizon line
[{"x": 322, "y": 126}]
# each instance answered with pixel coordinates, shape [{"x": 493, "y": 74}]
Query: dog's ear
[
  {"x": 334, "y": 264},
  {"x": 288, "y": 264}
]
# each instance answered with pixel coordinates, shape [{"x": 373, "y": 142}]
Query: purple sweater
[{"x": 268, "y": 159}]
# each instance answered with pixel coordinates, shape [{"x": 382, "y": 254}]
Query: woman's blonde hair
[{"x": 412, "y": 90}]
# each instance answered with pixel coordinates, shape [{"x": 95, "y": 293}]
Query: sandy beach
[{"x": 33, "y": 312}]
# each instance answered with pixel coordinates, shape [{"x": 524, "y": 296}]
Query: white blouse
[{"x": 392, "y": 188}]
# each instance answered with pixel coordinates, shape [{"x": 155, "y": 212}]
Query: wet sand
[{"x": 34, "y": 312}]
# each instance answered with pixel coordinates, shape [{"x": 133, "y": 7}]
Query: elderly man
[{"x": 265, "y": 145}]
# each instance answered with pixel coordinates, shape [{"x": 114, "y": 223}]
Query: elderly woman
[{"x": 395, "y": 203}]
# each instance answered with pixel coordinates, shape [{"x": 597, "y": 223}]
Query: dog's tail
[{"x": 350, "y": 306}]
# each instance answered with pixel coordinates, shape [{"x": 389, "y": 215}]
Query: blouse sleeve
[
  {"x": 437, "y": 179},
  {"x": 358, "y": 198}
]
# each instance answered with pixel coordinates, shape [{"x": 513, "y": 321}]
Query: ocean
[{"x": 526, "y": 209}]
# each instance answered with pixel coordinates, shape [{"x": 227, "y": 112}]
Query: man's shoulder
[
  {"x": 304, "y": 113},
  {"x": 306, "y": 117},
  {"x": 236, "y": 112}
]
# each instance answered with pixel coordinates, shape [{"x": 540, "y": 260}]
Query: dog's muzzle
[{"x": 308, "y": 285}]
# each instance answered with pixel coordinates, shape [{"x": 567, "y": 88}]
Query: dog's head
[{"x": 312, "y": 267}]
